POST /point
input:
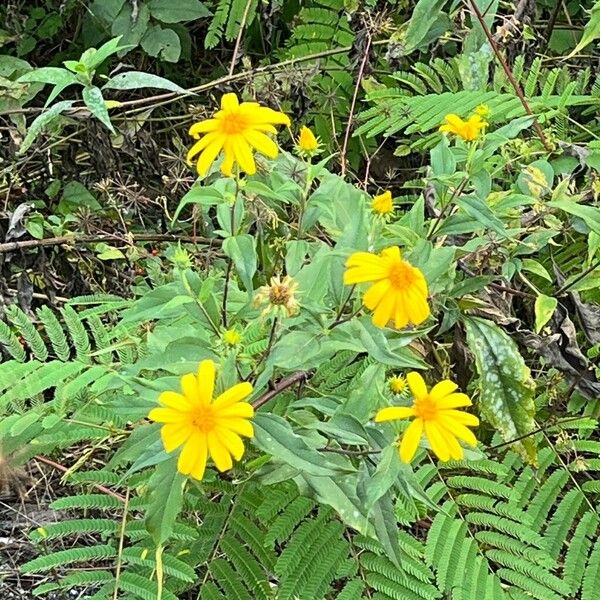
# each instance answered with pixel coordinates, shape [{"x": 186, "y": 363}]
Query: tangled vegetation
[{"x": 300, "y": 300}]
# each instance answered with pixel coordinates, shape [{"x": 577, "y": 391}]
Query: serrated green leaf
[
  {"x": 544, "y": 309},
  {"x": 94, "y": 100}
]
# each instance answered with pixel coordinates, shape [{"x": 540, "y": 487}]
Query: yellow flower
[
  {"x": 383, "y": 204},
  {"x": 483, "y": 110},
  {"x": 398, "y": 384},
  {"x": 279, "y": 296},
  {"x": 307, "y": 142},
  {"x": 399, "y": 290},
  {"x": 203, "y": 425},
  {"x": 435, "y": 413},
  {"x": 467, "y": 130},
  {"x": 237, "y": 130},
  {"x": 232, "y": 337}
]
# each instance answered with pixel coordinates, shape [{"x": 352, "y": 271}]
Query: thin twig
[
  {"x": 577, "y": 279},
  {"x": 238, "y": 41},
  {"x": 121, "y": 544},
  {"x": 509, "y": 74},
  {"x": 282, "y": 385},
  {"x": 457, "y": 191},
  {"x": 267, "y": 351}
]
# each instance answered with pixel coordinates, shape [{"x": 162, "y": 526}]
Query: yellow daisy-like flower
[
  {"x": 468, "y": 130},
  {"x": 399, "y": 290},
  {"x": 398, "y": 384},
  {"x": 383, "y": 204},
  {"x": 279, "y": 296},
  {"x": 232, "y": 337},
  {"x": 236, "y": 130},
  {"x": 435, "y": 414},
  {"x": 202, "y": 425},
  {"x": 307, "y": 142}
]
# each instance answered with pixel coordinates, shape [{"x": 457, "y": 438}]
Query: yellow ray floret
[
  {"x": 237, "y": 130},
  {"x": 435, "y": 415},
  {"x": 383, "y": 203},
  {"x": 399, "y": 290},
  {"x": 468, "y": 130},
  {"x": 206, "y": 427}
]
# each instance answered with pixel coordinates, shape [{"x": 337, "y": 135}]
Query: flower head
[
  {"x": 398, "y": 384},
  {"x": 434, "y": 413},
  {"x": 232, "y": 337},
  {"x": 399, "y": 290},
  {"x": 237, "y": 130},
  {"x": 202, "y": 425},
  {"x": 279, "y": 296},
  {"x": 468, "y": 130},
  {"x": 483, "y": 110},
  {"x": 383, "y": 204},
  {"x": 307, "y": 142}
]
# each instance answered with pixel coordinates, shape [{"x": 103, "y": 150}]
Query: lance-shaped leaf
[{"x": 505, "y": 384}]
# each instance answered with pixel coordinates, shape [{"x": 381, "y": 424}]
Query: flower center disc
[
  {"x": 401, "y": 275},
  {"x": 204, "y": 419},
  {"x": 425, "y": 408},
  {"x": 234, "y": 123}
]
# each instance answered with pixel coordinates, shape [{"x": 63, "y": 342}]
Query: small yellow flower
[
  {"x": 399, "y": 290},
  {"x": 398, "y": 384},
  {"x": 307, "y": 142},
  {"x": 279, "y": 296},
  {"x": 468, "y": 130},
  {"x": 483, "y": 110},
  {"x": 237, "y": 130},
  {"x": 232, "y": 337},
  {"x": 383, "y": 204},
  {"x": 435, "y": 413},
  {"x": 202, "y": 425}
]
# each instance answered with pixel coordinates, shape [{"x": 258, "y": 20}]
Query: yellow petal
[
  {"x": 265, "y": 128},
  {"x": 232, "y": 395},
  {"x": 442, "y": 389},
  {"x": 175, "y": 434},
  {"x": 239, "y": 426},
  {"x": 241, "y": 410},
  {"x": 175, "y": 401},
  {"x": 270, "y": 116},
  {"x": 366, "y": 259},
  {"x": 436, "y": 440},
  {"x": 417, "y": 306},
  {"x": 166, "y": 415},
  {"x": 189, "y": 387},
  {"x": 199, "y": 467},
  {"x": 401, "y": 317},
  {"x": 203, "y": 127},
  {"x": 464, "y": 418},
  {"x": 455, "y": 449},
  {"x": 375, "y": 293},
  {"x": 187, "y": 458},
  {"x": 416, "y": 384},
  {"x": 460, "y": 431},
  {"x": 232, "y": 441},
  {"x": 227, "y": 164},
  {"x": 391, "y": 254},
  {"x": 229, "y": 102},
  {"x": 454, "y": 401},
  {"x": 410, "y": 440},
  {"x": 391, "y": 413},
  {"x": 243, "y": 155},
  {"x": 218, "y": 452},
  {"x": 206, "y": 381},
  {"x": 199, "y": 146},
  {"x": 261, "y": 142},
  {"x": 385, "y": 310},
  {"x": 208, "y": 156}
]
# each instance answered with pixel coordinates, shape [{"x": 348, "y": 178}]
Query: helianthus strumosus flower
[
  {"x": 434, "y": 414},
  {"x": 237, "y": 130},
  {"x": 399, "y": 290},
  {"x": 279, "y": 296},
  {"x": 398, "y": 384},
  {"x": 383, "y": 204},
  {"x": 307, "y": 142},
  {"x": 468, "y": 130},
  {"x": 203, "y": 425}
]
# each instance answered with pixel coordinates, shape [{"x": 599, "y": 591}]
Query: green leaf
[
  {"x": 533, "y": 266},
  {"x": 544, "y": 309},
  {"x": 60, "y": 78},
  {"x": 133, "y": 80},
  {"x": 297, "y": 350},
  {"x": 424, "y": 15},
  {"x": 42, "y": 121},
  {"x": 165, "y": 490},
  {"x": 132, "y": 31},
  {"x": 202, "y": 195},
  {"x": 480, "y": 211},
  {"x": 93, "y": 58},
  {"x": 242, "y": 250},
  {"x": 443, "y": 162},
  {"x": 162, "y": 43},
  {"x": 92, "y": 96},
  {"x": 589, "y": 214},
  {"x": 505, "y": 385},
  {"x": 180, "y": 11},
  {"x": 274, "y": 435},
  {"x": 591, "y": 31}
]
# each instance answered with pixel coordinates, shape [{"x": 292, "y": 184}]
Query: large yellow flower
[
  {"x": 237, "y": 130},
  {"x": 468, "y": 130},
  {"x": 435, "y": 413},
  {"x": 383, "y": 203},
  {"x": 203, "y": 425},
  {"x": 399, "y": 290}
]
